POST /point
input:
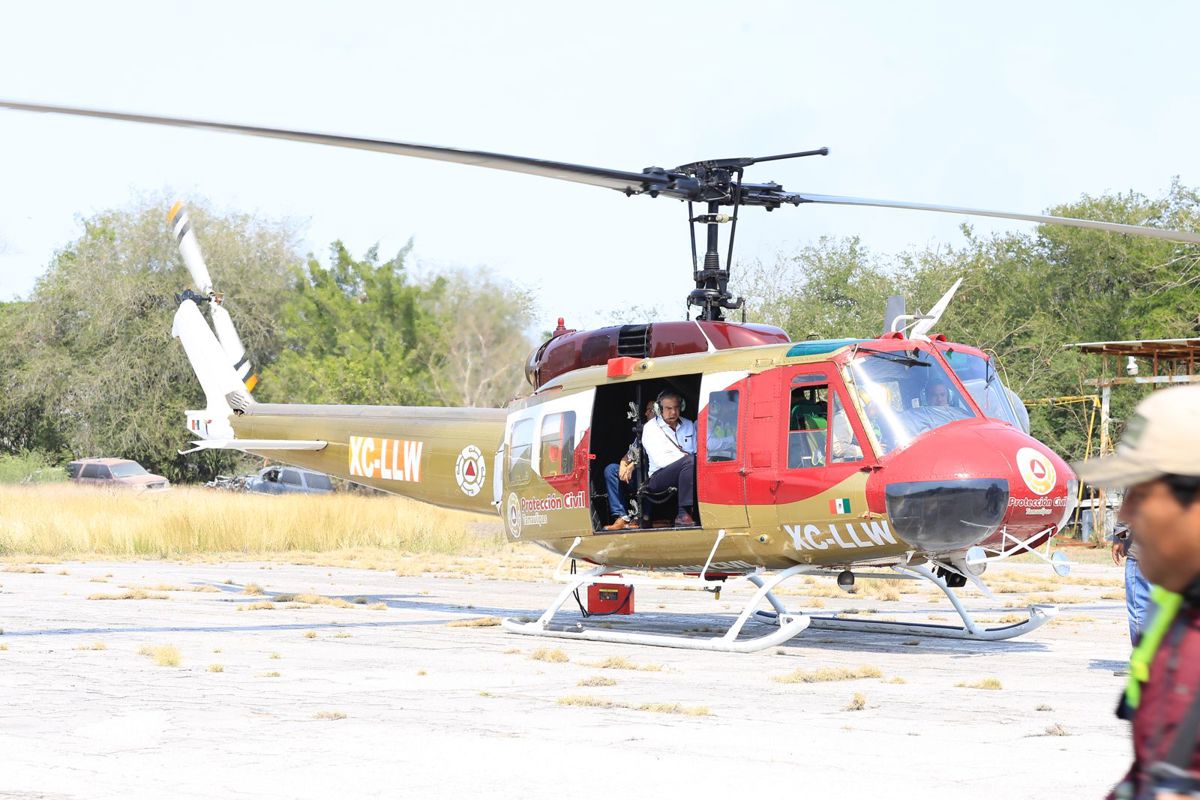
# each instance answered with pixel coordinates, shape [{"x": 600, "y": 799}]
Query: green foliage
[
  {"x": 29, "y": 468},
  {"x": 89, "y": 364},
  {"x": 364, "y": 332},
  {"x": 352, "y": 331}
]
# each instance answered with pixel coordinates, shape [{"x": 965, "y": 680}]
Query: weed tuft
[
  {"x": 166, "y": 655},
  {"x": 826, "y": 674},
  {"x": 597, "y": 680},
  {"x": 474, "y": 622},
  {"x": 330, "y": 715}
]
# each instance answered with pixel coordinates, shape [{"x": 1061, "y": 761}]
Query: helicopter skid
[
  {"x": 788, "y": 625},
  {"x": 1037, "y": 615}
]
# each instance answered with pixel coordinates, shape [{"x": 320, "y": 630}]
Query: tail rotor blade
[
  {"x": 231, "y": 343},
  {"x": 189, "y": 248}
]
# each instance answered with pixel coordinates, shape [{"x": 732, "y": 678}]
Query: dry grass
[
  {"x": 826, "y": 674},
  {"x": 674, "y": 708},
  {"x": 590, "y": 701},
  {"x": 586, "y": 700},
  {"x": 92, "y": 646},
  {"x": 597, "y": 680},
  {"x": 982, "y": 683},
  {"x": 129, "y": 594},
  {"x": 1056, "y": 730},
  {"x": 474, "y": 622},
  {"x": 61, "y": 520},
  {"x": 310, "y": 634},
  {"x": 301, "y": 600},
  {"x": 263, "y": 605},
  {"x": 166, "y": 655},
  {"x": 26, "y": 568},
  {"x": 621, "y": 662},
  {"x": 330, "y": 715},
  {"x": 857, "y": 703},
  {"x": 555, "y": 656},
  {"x": 269, "y": 675},
  {"x": 1043, "y": 707},
  {"x": 1113, "y": 596},
  {"x": 3, "y": 646},
  {"x": 216, "y": 668},
  {"x": 896, "y": 679},
  {"x": 252, "y": 589}
]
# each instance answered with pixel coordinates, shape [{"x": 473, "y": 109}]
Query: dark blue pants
[{"x": 682, "y": 474}]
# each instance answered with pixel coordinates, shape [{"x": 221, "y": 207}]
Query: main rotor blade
[
  {"x": 627, "y": 182},
  {"x": 1112, "y": 227}
]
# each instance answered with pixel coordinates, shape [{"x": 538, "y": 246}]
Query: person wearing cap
[
  {"x": 1158, "y": 464},
  {"x": 1137, "y": 588}
]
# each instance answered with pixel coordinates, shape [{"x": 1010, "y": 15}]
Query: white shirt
[{"x": 659, "y": 441}]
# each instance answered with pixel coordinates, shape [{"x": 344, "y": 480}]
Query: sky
[{"x": 1017, "y": 106}]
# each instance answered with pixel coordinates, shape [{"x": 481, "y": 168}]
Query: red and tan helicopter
[{"x": 902, "y": 455}]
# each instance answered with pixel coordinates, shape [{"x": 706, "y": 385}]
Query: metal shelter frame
[{"x": 1169, "y": 361}]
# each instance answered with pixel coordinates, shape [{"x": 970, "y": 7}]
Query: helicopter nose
[
  {"x": 946, "y": 514},
  {"x": 973, "y": 482}
]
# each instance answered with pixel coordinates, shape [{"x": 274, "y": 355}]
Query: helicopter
[{"x": 899, "y": 456}]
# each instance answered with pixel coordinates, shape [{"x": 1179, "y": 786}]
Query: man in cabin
[
  {"x": 617, "y": 473},
  {"x": 937, "y": 394},
  {"x": 670, "y": 444},
  {"x": 1158, "y": 459}
]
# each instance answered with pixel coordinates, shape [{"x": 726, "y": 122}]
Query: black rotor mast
[{"x": 719, "y": 183}]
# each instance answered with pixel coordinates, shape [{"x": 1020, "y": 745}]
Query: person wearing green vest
[{"x": 1158, "y": 463}]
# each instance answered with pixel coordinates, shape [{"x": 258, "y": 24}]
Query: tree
[
  {"x": 352, "y": 335},
  {"x": 474, "y": 342},
  {"x": 90, "y": 365}
]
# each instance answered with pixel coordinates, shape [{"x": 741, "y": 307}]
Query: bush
[{"x": 29, "y": 468}]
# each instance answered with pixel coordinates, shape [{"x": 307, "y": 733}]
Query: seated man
[
  {"x": 624, "y": 515},
  {"x": 670, "y": 444},
  {"x": 937, "y": 394}
]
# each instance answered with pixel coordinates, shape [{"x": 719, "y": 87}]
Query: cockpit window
[
  {"x": 979, "y": 377},
  {"x": 904, "y": 394}
]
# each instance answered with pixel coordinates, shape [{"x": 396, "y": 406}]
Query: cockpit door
[
  {"x": 721, "y": 455},
  {"x": 822, "y": 453}
]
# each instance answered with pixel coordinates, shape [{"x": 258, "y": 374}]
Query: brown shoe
[
  {"x": 684, "y": 520},
  {"x": 620, "y": 524}
]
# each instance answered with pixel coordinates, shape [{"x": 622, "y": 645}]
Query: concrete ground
[{"x": 315, "y": 700}]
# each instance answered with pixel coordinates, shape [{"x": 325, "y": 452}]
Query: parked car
[
  {"x": 289, "y": 480},
  {"x": 115, "y": 472}
]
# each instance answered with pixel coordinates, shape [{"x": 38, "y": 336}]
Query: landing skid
[
  {"x": 1036, "y": 616},
  {"x": 786, "y": 624}
]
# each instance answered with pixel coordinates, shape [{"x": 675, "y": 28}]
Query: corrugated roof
[{"x": 1148, "y": 348}]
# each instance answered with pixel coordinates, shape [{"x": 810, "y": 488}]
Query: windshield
[
  {"x": 904, "y": 394},
  {"x": 979, "y": 377},
  {"x": 127, "y": 469}
]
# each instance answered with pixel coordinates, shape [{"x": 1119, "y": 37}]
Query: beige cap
[{"x": 1161, "y": 438}]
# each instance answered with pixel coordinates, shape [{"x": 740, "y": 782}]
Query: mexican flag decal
[{"x": 840, "y": 506}]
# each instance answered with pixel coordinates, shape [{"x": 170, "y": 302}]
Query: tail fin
[
  {"x": 227, "y": 335},
  {"x": 221, "y": 384}
]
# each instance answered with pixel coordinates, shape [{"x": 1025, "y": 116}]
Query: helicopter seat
[{"x": 658, "y": 507}]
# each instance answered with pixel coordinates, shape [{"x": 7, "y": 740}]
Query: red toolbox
[{"x": 610, "y": 598}]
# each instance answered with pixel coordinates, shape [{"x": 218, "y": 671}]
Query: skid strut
[
  {"x": 788, "y": 625},
  {"x": 1037, "y": 615}
]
